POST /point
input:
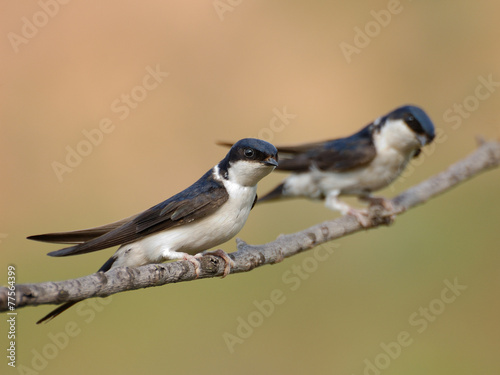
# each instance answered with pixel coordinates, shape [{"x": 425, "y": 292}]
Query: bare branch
[{"x": 249, "y": 257}]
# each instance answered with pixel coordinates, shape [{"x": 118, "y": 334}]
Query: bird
[
  {"x": 357, "y": 165},
  {"x": 209, "y": 212}
]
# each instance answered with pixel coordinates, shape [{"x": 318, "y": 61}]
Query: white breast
[
  {"x": 194, "y": 237},
  {"x": 395, "y": 144}
]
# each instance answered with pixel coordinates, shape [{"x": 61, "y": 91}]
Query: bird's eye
[
  {"x": 414, "y": 124},
  {"x": 249, "y": 152}
]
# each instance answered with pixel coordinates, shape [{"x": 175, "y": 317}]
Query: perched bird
[
  {"x": 206, "y": 214},
  {"x": 357, "y": 165}
]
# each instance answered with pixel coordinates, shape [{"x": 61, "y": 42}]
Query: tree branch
[{"x": 249, "y": 257}]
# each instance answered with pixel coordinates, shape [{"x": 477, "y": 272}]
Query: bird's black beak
[{"x": 271, "y": 161}]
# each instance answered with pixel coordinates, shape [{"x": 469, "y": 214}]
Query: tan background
[{"x": 227, "y": 74}]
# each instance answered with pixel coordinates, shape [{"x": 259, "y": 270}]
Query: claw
[
  {"x": 380, "y": 201},
  {"x": 386, "y": 217},
  {"x": 229, "y": 263},
  {"x": 362, "y": 216},
  {"x": 196, "y": 263}
]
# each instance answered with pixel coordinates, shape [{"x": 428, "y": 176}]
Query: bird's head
[
  {"x": 407, "y": 128},
  {"x": 248, "y": 161}
]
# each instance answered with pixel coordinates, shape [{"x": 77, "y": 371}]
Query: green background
[{"x": 228, "y": 74}]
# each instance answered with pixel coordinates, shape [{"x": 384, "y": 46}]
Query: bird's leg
[
  {"x": 332, "y": 202},
  {"x": 378, "y": 201},
  {"x": 168, "y": 254},
  {"x": 194, "y": 261},
  {"x": 385, "y": 203},
  {"x": 221, "y": 254}
]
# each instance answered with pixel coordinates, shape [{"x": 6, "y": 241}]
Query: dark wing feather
[
  {"x": 338, "y": 155},
  {"x": 79, "y": 236},
  {"x": 299, "y": 149},
  {"x": 199, "y": 200},
  {"x": 285, "y": 149},
  {"x": 224, "y": 143}
]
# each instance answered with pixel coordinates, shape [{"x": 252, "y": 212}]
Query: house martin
[
  {"x": 358, "y": 165},
  {"x": 206, "y": 214}
]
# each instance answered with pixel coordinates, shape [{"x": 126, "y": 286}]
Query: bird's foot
[
  {"x": 229, "y": 263},
  {"x": 386, "y": 214},
  {"x": 361, "y": 215},
  {"x": 380, "y": 201},
  {"x": 195, "y": 262}
]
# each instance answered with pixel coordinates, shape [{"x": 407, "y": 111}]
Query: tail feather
[
  {"x": 72, "y": 250},
  {"x": 51, "y": 315},
  {"x": 107, "y": 266},
  {"x": 69, "y": 237},
  {"x": 79, "y": 236},
  {"x": 119, "y": 236}
]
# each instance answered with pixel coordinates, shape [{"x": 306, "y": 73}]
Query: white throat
[
  {"x": 247, "y": 173},
  {"x": 395, "y": 134}
]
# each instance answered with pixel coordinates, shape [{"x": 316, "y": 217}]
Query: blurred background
[{"x": 109, "y": 108}]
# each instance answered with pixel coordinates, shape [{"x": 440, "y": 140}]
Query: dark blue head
[
  {"x": 248, "y": 161},
  {"x": 252, "y": 149},
  {"x": 417, "y": 120}
]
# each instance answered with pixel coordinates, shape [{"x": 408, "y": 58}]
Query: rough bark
[{"x": 248, "y": 257}]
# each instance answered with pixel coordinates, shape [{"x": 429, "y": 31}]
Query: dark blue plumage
[
  {"x": 359, "y": 164},
  {"x": 209, "y": 212}
]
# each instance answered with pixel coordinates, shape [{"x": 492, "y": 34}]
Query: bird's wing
[
  {"x": 338, "y": 155},
  {"x": 299, "y": 149},
  {"x": 196, "y": 202},
  {"x": 79, "y": 236}
]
